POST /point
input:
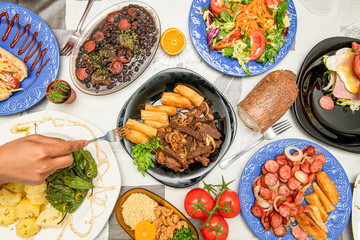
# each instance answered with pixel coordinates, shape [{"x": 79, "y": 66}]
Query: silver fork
[
  {"x": 271, "y": 133},
  {"x": 113, "y": 135},
  {"x": 67, "y": 49}
]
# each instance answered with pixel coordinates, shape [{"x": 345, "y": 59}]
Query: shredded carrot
[{"x": 254, "y": 16}]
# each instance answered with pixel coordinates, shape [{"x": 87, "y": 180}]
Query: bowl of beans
[{"x": 115, "y": 48}]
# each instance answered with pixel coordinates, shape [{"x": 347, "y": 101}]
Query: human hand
[{"x": 30, "y": 160}]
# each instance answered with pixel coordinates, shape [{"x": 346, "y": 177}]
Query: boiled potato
[
  {"x": 45, "y": 205},
  {"x": 15, "y": 188},
  {"x": 27, "y": 228},
  {"x": 7, "y": 215},
  {"x": 50, "y": 218},
  {"x": 30, "y": 189},
  {"x": 37, "y": 199},
  {"x": 27, "y": 209},
  {"x": 8, "y": 198}
]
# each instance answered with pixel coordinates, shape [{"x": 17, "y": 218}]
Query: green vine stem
[{"x": 212, "y": 191}]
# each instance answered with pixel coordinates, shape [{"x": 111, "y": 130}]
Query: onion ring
[
  {"x": 275, "y": 201},
  {"x": 262, "y": 202},
  {"x": 291, "y": 157}
]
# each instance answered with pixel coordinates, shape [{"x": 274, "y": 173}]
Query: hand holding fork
[{"x": 113, "y": 135}]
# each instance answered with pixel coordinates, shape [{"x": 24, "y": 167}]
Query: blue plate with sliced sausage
[{"x": 337, "y": 218}]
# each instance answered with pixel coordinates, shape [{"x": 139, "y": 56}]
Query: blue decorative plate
[
  {"x": 34, "y": 86},
  {"x": 197, "y": 29},
  {"x": 337, "y": 218}
]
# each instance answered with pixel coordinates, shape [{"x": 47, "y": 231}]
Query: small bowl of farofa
[{"x": 146, "y": 216}]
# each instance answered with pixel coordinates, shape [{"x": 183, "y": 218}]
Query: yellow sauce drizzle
[{"x": 99, "y": 195}]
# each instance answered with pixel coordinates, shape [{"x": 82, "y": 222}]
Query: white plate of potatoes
[{"x": 24, "y": 210}]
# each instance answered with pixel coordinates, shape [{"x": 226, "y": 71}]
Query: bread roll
[{"x": 269, "y": 100}]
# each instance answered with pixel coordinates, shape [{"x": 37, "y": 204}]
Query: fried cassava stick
[
  {"x": 176, "y": 100},
  {"x": 195, "y": 98},
  {"x": 141, "y": 127},
  {"x": 328, "y": 187}
]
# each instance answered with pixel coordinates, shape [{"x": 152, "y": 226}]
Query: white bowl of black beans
[{"x": 115, "y": 48}]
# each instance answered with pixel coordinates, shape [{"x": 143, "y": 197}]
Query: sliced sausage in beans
[
  {"x": 89, "y": 46},
  {"x": 81, "y": 74},
  {"x": 98, "y": 36}
]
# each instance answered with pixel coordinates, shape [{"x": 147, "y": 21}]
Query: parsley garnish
[
  {"x": 143, "y": 154},
  {"x": 184, "y": 234}
]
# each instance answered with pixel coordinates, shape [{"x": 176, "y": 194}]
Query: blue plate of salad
[
  {"x": 338, "y": 218},
  {"x": 242, "y": 37}
]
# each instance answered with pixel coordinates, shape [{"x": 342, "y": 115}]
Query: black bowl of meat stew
[
  {"x": 115, "y": 48},
  {"x": 151, "y": 92}
]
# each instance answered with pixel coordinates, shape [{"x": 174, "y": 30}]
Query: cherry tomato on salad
[
  {"x": 228, "y": 39},
  {"x": 273, "y": 3},
  {"x": 217, "y": 6},
  {"x": 257, "y": 42},
  {"x": 231, "y": 199},
  {"x": 12, "y": 83},
  {"x": 218, "y": 222},
  {"x": 198, "y": 195}
]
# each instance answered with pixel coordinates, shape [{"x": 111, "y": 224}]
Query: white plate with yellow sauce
[
  {"x": 89, "y": 219},
  {"x": 356, "y": 209}
]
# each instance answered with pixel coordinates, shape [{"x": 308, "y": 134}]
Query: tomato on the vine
[
  {"x": 201, "y": 197},
  {"x": 230, "y": 199},
  {"x": 221, "y": 226}
]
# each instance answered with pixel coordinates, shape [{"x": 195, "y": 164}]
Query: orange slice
[
  {"x": 173, "y": 41},
  {"x": 145, "y": 230}
]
